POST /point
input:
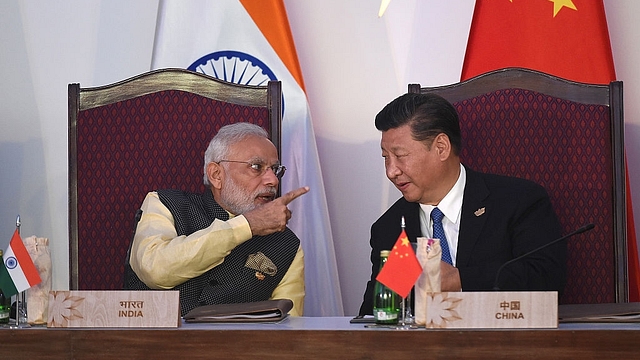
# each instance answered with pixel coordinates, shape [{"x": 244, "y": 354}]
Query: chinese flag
[
  {"x": 565, "y": 38},
  {"x": 402, "y": 268}
]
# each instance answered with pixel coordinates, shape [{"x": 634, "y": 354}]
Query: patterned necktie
[{"x": 438, "y": 233}]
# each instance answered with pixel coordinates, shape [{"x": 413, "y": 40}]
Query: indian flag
[
  {"x": 17, "y": 273},
  {"x": 250, "y": 42}
]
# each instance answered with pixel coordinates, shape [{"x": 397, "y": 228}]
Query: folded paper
[
  {"x": 429, "y": 254},
  {"x": 38, "y": 295}
]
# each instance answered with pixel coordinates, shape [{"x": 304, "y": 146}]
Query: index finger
[{"x": 292, "y": 195}]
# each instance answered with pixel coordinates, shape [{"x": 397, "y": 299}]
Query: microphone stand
[{"x": 582, "y": 229}]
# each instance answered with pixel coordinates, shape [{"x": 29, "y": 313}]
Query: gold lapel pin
[{"x": 479, "y": 212}]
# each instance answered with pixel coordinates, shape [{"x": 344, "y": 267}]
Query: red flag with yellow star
[
  {"x": 565, "y": 38},
  {"x": 402, "y": 268}
]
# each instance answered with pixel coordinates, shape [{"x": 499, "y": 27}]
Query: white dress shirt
[{"x": 451, "y": 207}]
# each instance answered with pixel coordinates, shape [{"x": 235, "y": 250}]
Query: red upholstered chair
[
  {"x": 145, "y": 133},
  {"x": 567, "y": 137}
]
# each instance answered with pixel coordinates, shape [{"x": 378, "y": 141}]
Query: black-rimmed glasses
[{"x": 260, "y": 168}]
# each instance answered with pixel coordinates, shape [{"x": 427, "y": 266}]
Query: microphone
[{"x": 580, "y": 230}]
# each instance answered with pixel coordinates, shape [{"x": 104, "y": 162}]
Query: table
[{"x": 321, "y": 338}]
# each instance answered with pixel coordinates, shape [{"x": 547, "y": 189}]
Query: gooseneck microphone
[{"x": 580, "y": 230}]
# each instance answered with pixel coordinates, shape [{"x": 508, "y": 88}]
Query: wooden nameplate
[
  {"x": 492, "y": 310},
  {"x": 98, "y": 308}
]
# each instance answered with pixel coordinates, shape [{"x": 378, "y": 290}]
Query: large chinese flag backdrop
[{"x": 566, "y": 38}]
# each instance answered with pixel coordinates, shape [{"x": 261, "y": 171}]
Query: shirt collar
[{"x": 451, "y": 204}]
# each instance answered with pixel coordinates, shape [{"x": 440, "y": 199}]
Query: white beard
[{"x": 236, "y": 200}]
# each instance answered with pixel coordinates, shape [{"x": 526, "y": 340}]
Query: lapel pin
[{"x": 479, "y": 212}]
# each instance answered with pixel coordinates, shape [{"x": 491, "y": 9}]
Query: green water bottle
[
  {"x": 385, "y": 302},
  {"x": 4, "y": 304}
]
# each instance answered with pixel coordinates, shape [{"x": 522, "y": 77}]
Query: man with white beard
[{"x": 230, "y": 244}]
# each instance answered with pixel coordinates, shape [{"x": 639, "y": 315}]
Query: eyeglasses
[{"x": 259, "y": 169}]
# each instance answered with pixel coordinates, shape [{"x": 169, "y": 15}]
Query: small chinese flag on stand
[
  {"x": 402, "y": 268},
  {"x": 17, "y": 273}
]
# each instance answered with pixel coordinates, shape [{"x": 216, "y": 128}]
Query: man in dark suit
[{"x": 487, "y": 219}]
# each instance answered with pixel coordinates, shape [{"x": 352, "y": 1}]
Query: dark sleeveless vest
[{"x": 231, "y": 281}]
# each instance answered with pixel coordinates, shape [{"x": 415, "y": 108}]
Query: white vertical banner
[{"x": 222, "y": 39}]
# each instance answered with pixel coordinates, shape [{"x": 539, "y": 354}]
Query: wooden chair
[
  {"x": 567, "y": 137},
  {"x": 145, "y": 133}
]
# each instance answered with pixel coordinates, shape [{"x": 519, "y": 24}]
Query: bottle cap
[{"x": 385, "y": 253}]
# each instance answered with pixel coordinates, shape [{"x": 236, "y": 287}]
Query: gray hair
[{"x": 228, "y": 135}]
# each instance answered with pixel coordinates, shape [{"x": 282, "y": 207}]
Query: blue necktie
[{"x": 438, "y": 233}]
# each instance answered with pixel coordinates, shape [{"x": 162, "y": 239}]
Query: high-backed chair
[
  {"x": 567, "y": 137},
  {"x": 142, "y": 134}
]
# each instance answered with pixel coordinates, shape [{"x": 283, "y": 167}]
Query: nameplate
[
  {"x": 97, "y": 308},
  {"x": 492, "y": 310}
]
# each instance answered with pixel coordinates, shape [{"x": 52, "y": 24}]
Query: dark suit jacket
[{"x": 517, "y": 218}]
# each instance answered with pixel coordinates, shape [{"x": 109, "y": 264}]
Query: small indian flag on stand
[{"x": 17, "y": 273}]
